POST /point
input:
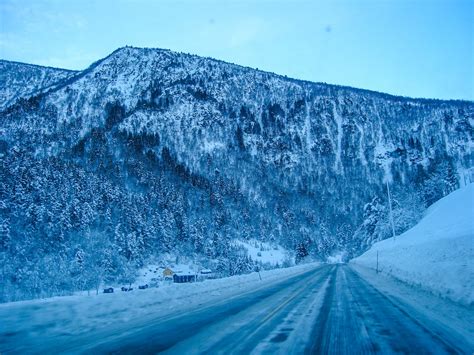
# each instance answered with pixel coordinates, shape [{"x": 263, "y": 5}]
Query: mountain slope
[
  {"x": 152, "y": 151},
  {"x": 308, "y": 133},
  {"x": 22, "y": 80}
]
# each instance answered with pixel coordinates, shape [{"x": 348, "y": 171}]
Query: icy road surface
[{"x": 330, "y": 309}]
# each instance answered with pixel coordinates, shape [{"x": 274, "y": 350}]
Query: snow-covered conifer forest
[{"x": 150, "y": 152}]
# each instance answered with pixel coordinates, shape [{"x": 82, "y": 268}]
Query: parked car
[
  {"x": 109, "y": 290},
  {"x": 126, "y": 289},
  {"x": 142, "y": 287}
]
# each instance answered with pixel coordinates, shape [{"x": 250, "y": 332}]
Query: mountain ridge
[
  {"x": 283, "y": 76},
  {"x": 36, "y": 65},
  {"x": 30, "y": 79}
]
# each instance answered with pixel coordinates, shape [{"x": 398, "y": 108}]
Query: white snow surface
[
  {"x": 437, "y": 253},
  {"x": 266, "y": 252},
  {"x": 57, "y": 319}
]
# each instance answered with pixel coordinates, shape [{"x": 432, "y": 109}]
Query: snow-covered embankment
[
  {"x": 436, "y": 254},
  {"x": 28, "y": 324}
]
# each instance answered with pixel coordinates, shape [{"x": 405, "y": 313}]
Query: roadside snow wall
[{"x": 437, "y": 253}]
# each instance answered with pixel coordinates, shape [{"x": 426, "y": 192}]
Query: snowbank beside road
[
  {"x": 437, "y": 253},
  {"x": 29, "y": 324}
]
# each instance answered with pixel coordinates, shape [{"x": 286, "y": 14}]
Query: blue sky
[{"x": 418, "y": 48}]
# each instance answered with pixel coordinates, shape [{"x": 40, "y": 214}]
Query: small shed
[
  {"x": 167, "y": 272},
  {"x": 182, "y": 278}
]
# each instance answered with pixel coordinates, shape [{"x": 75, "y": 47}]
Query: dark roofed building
[{"x": 182, "y": 278}]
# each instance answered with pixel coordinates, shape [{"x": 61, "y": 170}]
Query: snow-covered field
[
  {"x": 152, "y": 274},
  {"x": 57, "y": 319},
  {"x": 266, "y": 253},
  {"x": 436, "y": 254}
]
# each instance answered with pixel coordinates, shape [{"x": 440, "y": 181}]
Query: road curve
[{"x": 330, "y": 310}]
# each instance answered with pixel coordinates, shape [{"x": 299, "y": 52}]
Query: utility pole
[
  {"x": 257, "y": 268},
  {"x": 391, "y": 212},
  {"x": 377, "y": 268}
]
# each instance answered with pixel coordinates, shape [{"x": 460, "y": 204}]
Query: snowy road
[{"x": 330, "y": 309}]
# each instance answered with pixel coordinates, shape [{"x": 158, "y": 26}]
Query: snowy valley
[
  {"x": 416, "y": 277},
  {"x": 155, "y": 193},
  {"x": 149, "y": 153}
]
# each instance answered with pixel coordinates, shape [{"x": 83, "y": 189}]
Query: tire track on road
[
  {"x": 403, "y": 331},
  {"x": 165, "y": 334},
  {"x": 339, "y": 328},
  {"x": 244, "y": 338}
]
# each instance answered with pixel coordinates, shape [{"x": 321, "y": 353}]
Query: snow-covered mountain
[
  {"x": 22, "y": 80},
  {"x": 151, "y": 150}
]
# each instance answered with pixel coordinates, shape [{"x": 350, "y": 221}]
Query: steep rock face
[
  {"x": 22, "y": 80},
  {"x": 171, "y": 149}
]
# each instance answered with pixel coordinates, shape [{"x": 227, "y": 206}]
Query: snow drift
[{"x": 437, "y": 253}]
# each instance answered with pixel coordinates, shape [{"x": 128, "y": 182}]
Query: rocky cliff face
[{"x": 248, "y": 153}]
